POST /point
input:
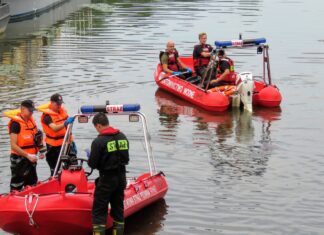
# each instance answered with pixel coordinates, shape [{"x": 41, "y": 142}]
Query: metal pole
[
  {"x": 268, "y": 65},
  {"x": 63, "y": 147},
  {"x": 264, "y": 61},
  {"x": 148, "y": 147}
]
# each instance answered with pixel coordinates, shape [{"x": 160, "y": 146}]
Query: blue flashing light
[
  {"x": 117, "y": 108},
  {"x": 220, "y": 44},
  {"x": 240, "y": 43},
  {"x": 86, "y": 109},
  {"x": 131, "y": 107}
]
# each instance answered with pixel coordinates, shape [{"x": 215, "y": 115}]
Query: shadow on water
[{"x": 150, "y": 220}]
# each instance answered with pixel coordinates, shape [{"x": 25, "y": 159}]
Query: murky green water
[{"x": 228, "y": 173}]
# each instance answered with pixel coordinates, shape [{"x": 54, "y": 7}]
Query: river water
[{"x": 228, "y": 173}]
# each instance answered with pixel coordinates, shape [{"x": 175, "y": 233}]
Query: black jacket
[{"x": 109, "y": 151}]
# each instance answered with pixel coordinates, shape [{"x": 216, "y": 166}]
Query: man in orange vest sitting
[
  {"x": 171, "y": 63},
  {"x": 24, "y": 145},
  {"x": 225, "y": 71},
  {"x": 54, "y": 121}
]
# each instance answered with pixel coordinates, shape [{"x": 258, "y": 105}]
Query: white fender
[{"x": 245, "y": 89}]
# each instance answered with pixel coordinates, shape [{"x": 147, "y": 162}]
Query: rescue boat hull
[
  {"x": 209, "y": 101},
  {"x": 263, "y": 95},
  {"x": 59, "y": 212}
]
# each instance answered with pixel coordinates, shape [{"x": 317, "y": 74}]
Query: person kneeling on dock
[
  {"x": 172, "y": 64},
  {"x": 109, "y": 154}
]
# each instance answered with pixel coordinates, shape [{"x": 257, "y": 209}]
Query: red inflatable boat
[
  {"x": 249, "y": 89},
  {"x": 62, "y": 204}
]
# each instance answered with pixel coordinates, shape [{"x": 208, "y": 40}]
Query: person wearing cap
[
  {"x": 24, "y": 146},
  {"x": 54, "y": 121}
]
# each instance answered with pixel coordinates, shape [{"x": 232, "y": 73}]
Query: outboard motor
[{"x": 245, "y": 89}]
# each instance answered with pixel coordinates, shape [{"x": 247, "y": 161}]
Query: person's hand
[
  {"x": 32, "y": 157},
  {"x": 69, "y": 121},
  {"x": 176, "y": 73},
  {"x": 189, "y": 70},
  {"x": 41, "y": 156},
  {"x": 87, "y": 153},
  {"x": 213, "y": 81}
]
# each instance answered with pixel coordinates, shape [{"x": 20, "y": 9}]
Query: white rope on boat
[{"x": 29, "y": 199}]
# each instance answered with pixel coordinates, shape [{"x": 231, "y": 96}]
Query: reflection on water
[
  {"x": 229, "y": 136},
  {"x": 149, "y": 219},
  {"x": 229, "y": 173}
]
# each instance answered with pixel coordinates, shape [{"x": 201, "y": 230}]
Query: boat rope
[{"x": 29, "y": 199}]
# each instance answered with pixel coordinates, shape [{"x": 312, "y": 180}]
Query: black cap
[
  {"x": 221, "y": 52},
  {"x": 28, "y": 104},
  {"x": 57, "y": 98}
]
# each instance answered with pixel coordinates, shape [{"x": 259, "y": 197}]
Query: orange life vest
[
  {"x": 53, "y": 138},
  {"x": 226, "y": 90},
  {"x": 172, "y": 60},
  {"x": 231, "y": 77},
  {"x": 28, "y": 129}
]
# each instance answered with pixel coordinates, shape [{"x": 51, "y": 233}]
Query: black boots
[{"x": 118, "y": 228}]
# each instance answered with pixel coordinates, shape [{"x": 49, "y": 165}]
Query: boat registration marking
[
  {"x": 179, "y": 88},
  {"x": 139, "y": 197}
]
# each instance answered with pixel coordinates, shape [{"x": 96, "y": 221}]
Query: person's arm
[
  {"x": 15, "y": 147},
  {"x": 94, "y": 155},
  {"x": 224, "y": 67},
  {"x": 205, "y": 54},
  {"x": 49, "y": 122},
  {"x": 14, "y": 131},
  {"x": 223, "y": 75},
  {"x": 182, "y": 65},
  {"x": 164, "y": 61}
]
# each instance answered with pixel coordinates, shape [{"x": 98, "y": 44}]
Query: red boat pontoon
[
  {"x": 62, "y": 204},
  {"x": 249, "y": 90}
]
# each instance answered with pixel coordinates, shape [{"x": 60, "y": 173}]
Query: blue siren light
[
  {"x": 238, "y": 43},
  {"x": 115, "y": 108}
]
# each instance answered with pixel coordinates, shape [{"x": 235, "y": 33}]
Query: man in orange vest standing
[
  {"x": 25, "y": 141},
  {"x": 54, "y": 121}
]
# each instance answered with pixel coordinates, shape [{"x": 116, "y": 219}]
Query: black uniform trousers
[
  {"x": 110, "y": 188},
  {"x": 52, "y": 155},
  {"x": 23, "y": 172}
]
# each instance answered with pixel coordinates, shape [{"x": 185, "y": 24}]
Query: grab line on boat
[{"x": 29, "y": 198}]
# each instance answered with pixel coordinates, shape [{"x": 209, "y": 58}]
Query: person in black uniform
[{"x": 109, "y": 154}]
